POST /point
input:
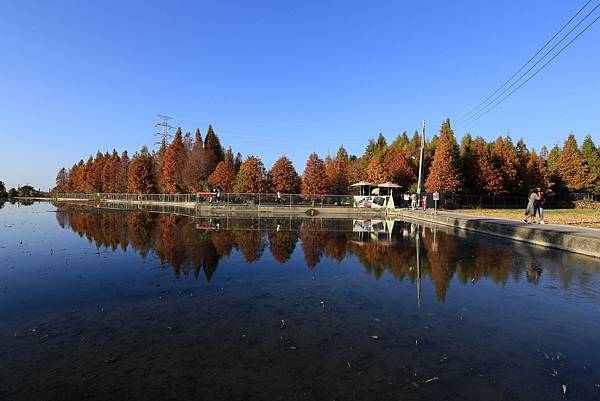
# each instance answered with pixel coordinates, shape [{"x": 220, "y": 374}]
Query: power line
[
  {"x": 531, "y": 76},
  {"x": 486, "y": 102},
  {"x": 524, "y": 65}
]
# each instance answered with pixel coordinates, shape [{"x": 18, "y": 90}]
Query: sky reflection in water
[{"x": 108, "y": 303}]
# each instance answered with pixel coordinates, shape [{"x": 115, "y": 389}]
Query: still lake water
[{"x": 104, "y": 304}]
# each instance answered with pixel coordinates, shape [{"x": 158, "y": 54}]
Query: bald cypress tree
[
  {"x": 376, "y": 172},
  {"x": 173, "y": 165},
  {"x": 158, "y": 159},
  {"x": 284, "y": 177},
  {"x": 399, "y": 169},
  {"x": 573, "y": 171},
  {"x": 314, "y": 179},
  {"x": 62, "y": 182},
  {"x": 338, "y": 173},
  {"x": 251, "y": 177},
  {"x": 591, "y": 157},
  {"x": 213, "y": 150},
  {"x": 467, "y": 164},
  {"x": 506, "y": 161},
  {"x": 487, "y": 178},
  {"x": 194, "y": 172},
  {"x": 141, "y": 177},
  {"x": 444, "y": 174},
  {"x": 124, "y": 171}
]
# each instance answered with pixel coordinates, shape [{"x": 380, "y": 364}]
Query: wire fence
[
  {"x": 257, "y": 200},
  {"x": 224, "y": 199},
  {"x": 453, "y": 201}
]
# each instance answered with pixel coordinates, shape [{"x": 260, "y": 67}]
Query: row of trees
[
  {"x": 501, "y": 167},
  {"x": 475, "y": 166}
]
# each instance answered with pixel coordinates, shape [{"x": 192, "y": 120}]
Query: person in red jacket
[{"x": 539, "y": 205}]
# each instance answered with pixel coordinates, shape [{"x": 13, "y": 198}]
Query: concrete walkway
[{"x": 582, "y": 240}]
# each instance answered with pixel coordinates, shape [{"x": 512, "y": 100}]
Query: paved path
[{"x": 581, "y": 240}]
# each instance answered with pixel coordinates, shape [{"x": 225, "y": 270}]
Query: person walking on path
[
  {"x": 539, "y": 205},
  {"x": 278, "y": 197},
  {"x": 530, "y": 211},
  {"x": 413, "y": 201}
]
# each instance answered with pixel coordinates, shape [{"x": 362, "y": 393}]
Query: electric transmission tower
[{"x": 165, "y": 127}]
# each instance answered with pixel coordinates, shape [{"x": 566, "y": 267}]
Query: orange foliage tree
[
  {"x": 193, "y": 173},
  {"x": 444, "y": 173},
  {"x": 314, "y": 180},
  {"x": 337, "y": 172},
  {"x": 62, "y": 180},
  {"x": 173, "y": 165},
  {"x": 110, "y": 173},
  {"x": 574, "y": 172},
  {"x": 141, "y": 177},
  {"x": 284, "y": 177},
  {"x": 376, "y": 173},
  {"x": 213, "y": 151},
  {"x": 537, "y": 174},
  {"x": 506, "y": 162},
  {"x": 399, "y": 169},
  {"x": 223, "y": 176},
  {"x": 252, "y": 176},
  {"x": 123, "y": 171},
  {"x": 487, "y": 179}
]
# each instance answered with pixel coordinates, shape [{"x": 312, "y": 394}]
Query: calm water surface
[{"x": 110, "y": 304}]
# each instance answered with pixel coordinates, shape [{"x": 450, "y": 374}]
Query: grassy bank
[{"x": 577, "y": 217}]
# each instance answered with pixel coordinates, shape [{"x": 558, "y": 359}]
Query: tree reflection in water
[{"x": 195, "y": 245}]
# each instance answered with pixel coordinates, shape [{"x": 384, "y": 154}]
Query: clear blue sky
[{"x": 277, "y": 77}]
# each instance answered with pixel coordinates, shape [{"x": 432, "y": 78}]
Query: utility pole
[
  {"x": 165, "y": 127},
  {"x": 420, "y": 182}
]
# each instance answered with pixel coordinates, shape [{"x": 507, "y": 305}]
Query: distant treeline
[
  {"x": 190, "y": 164},
  {"x": 26, "y": 191}
]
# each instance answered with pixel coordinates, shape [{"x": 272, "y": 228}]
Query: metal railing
[
  {"x": 257, "y": 200},
  {"x": 226, "y": 199}
]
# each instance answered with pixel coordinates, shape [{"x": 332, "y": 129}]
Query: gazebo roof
[
  {"x": 363, "y": 184},
  {"x": 389, "y": 185}
]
